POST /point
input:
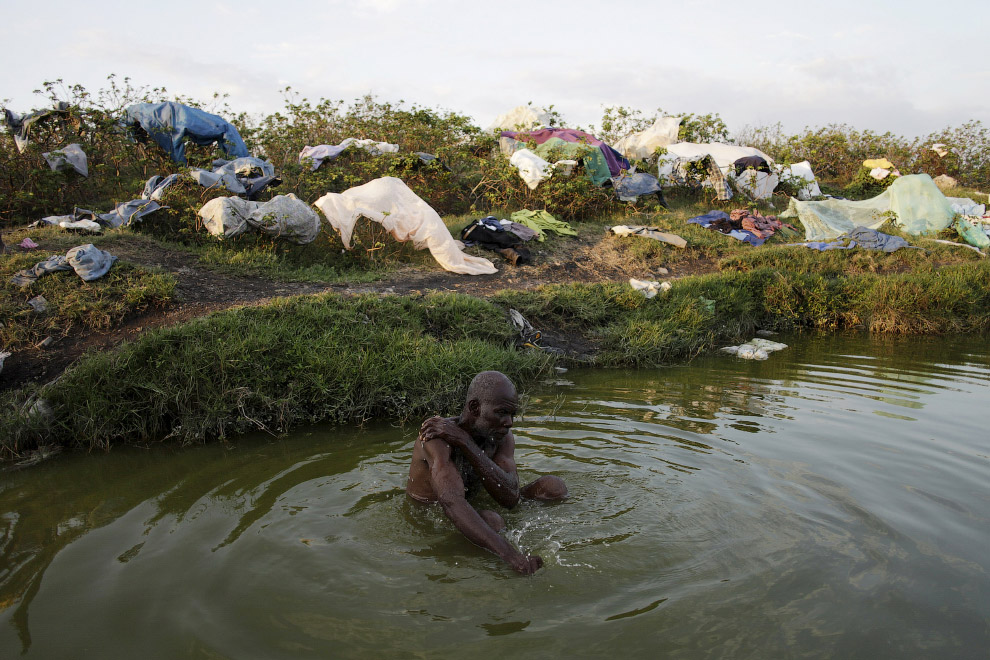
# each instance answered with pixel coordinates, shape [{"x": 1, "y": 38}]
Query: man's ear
[{"x": 474, "y": 406}]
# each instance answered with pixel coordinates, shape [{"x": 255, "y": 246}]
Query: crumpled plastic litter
[
  {"x": 649, "y": 288},
  {"x": 755, "y": 349}
]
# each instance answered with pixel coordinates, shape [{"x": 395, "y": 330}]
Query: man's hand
[
  {"x": 526, "y": 564},
  {"x": 438, "y": 428}
]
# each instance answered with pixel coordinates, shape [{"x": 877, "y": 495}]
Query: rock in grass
[{"x": 39, "y": 304}]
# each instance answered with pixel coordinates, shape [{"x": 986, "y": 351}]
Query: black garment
[
  {"x": 487, "y": 238},
  {"x": 504, "y": 242},
  {"x": 751, "y": 163}
]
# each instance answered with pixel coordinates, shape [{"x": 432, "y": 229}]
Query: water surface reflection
[{"x": 828, "y": 502}]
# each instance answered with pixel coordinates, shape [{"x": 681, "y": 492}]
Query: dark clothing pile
[
  {"x": 751, "y": 163},
  {"x": 492, "y": 235},
  {"x": 742, "y": 224}
]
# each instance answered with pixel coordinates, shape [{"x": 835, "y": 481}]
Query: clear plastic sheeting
[
  {"x": 315, "y": 156},
  {"x": 521, "y": 118},
  {"x": 915, "y": 199},
  {"x": 532, "y": 168},
  {"x": 68, "y": 157},
  {"x": 284, "y": 216},
  {"x": 801, "y": 174},
  {"x": 724, "y": 155},
  {"x": 389, "y": 202},
  {"x": 670, "y": 166},
  {"x": 643, "y": 145}
]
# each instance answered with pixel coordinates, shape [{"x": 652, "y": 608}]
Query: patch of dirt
[{"x": 200, "y": 291}]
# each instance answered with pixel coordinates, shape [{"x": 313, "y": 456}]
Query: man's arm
[
  {"x": 498, "y": 474},
  {"x": 449, "y": 487}
]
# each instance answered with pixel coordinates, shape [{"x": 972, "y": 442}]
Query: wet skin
[{"x": 481, "y": 437}]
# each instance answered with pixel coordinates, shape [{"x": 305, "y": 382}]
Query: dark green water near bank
[{"x": 832, "y": 501}]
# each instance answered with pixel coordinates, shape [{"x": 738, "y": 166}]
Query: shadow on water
[
  {"x": 830, "y": 501},
  {"x": 51, "y": 506}
]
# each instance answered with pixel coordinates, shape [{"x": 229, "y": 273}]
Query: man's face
[{"x": 495, "y": 414}]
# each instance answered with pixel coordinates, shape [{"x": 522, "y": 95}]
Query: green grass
[
  {"x": 333, "y": 358},
  {"x": 303, "y": 359},
  {"x": 72, "y": 303}
]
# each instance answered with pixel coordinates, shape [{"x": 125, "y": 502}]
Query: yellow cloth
[{"x": 878, "y": 162}]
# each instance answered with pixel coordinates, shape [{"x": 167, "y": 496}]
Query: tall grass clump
[{"x": 305, "y": 359}]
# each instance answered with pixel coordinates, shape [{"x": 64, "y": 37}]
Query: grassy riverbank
[{"x": 335, "y": 358}]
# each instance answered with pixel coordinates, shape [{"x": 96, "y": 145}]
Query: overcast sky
[{"x": 909, "y": 67}]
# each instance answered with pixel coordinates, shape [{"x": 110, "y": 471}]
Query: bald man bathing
[{"x": 453, "y": 455}]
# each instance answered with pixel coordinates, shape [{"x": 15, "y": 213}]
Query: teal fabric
[{"x": 919, "y": 206}]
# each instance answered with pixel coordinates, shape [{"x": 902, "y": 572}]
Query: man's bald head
[
  {"x": 490, "y": 406},
  {"x": 489, "y": 386}
]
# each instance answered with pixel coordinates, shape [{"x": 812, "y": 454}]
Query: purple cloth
[
  {"x": 738, "y": 234},
  {"x": 616, "y": 162}
]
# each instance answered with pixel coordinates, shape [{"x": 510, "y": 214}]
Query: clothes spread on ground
[
  {"x": 170, "y": 124},
  {"x": 88, "y": 261},
  {"x": 246, "y": 176},
  {"x": 70, "y": 156},
  {"x": 762, "y": 226},
  {"x": 491, "y": 234},
  {"x": 542, "y": 222},
  {"x": 742, "y": 225},
  {"x": 315, "y": 156},
  {"x": 649, "y": 232},
  {"x": 863, "y": 237},
  {"x": 283, "y": 216},
  {"x": 127, "y": 213},
  {"x": 71, "y": 222},
  {"x": 522, "y": 231},
  {"x": 123, "y": 215},
  {"x": 389, "y": 202}
]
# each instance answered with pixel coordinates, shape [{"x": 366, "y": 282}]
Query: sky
[{"x": 908, "y": 67}]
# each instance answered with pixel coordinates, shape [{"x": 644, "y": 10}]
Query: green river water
[{"x": 829, "y": 502}]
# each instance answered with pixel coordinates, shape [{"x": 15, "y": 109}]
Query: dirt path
[{"x": 200, "y": 291}]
